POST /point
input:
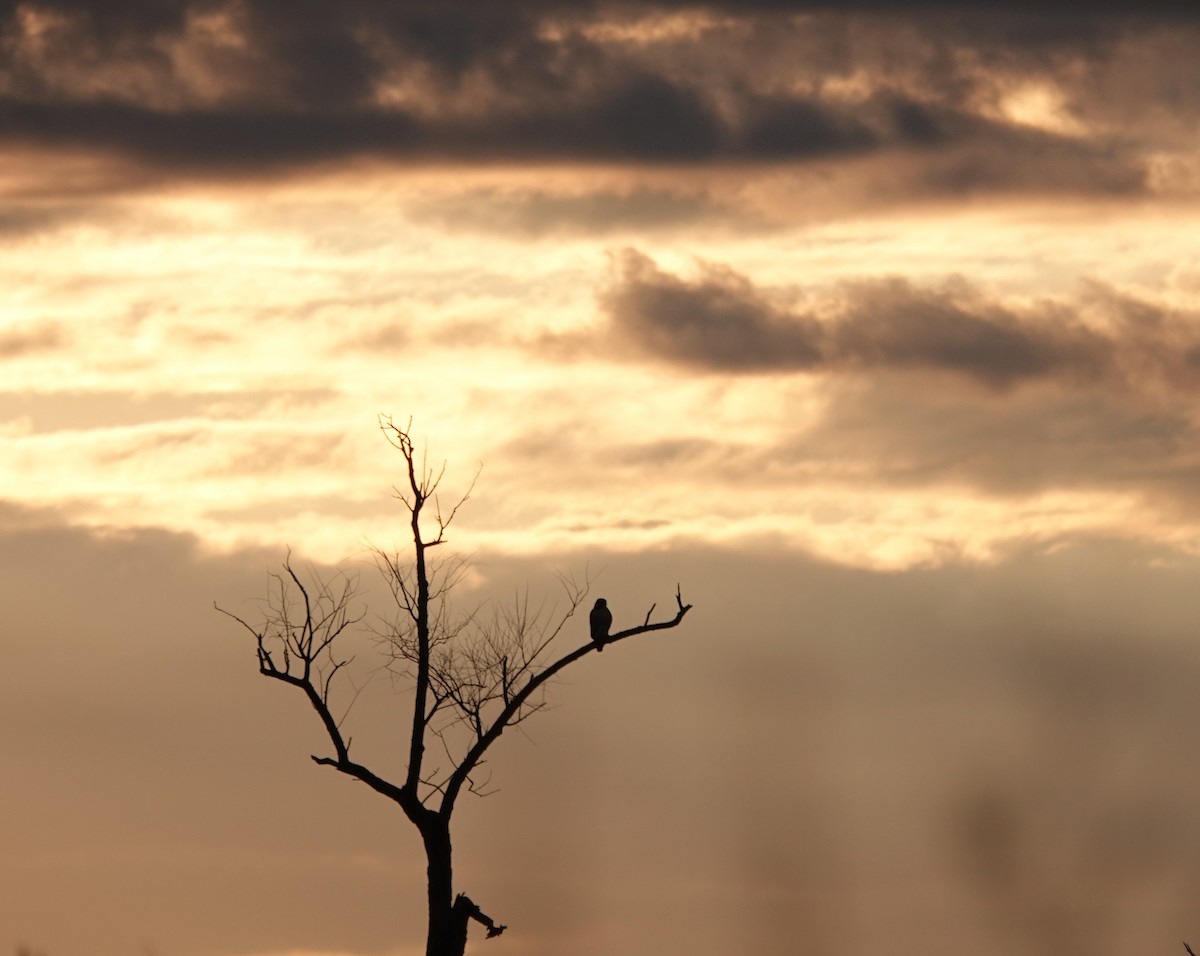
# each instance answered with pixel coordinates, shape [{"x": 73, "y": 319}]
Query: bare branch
[
  {"x": 444, "y": 523},
  {"x": 306, "y": 629},
  {"x": 512, "y": 710},
  {"x": 464, "y": 908}
]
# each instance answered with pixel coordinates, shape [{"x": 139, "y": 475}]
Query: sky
[{"x": 874, "y": 325}]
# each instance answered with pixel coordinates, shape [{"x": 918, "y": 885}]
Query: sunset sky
[{"x": 876, "y": 326}]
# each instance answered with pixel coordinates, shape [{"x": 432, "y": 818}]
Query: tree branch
[
  {"x": 464, "y": 908},
  {"x": 308, "y": 645},
  {"x": 462, "y": 772}
]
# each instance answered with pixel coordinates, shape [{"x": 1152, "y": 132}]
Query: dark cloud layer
[
  {"x": 720, "y": 321},
  {"x": 884, "y": 723},
  {"x": 267, "y": 84},
  {"x": 642, "y": 119}
]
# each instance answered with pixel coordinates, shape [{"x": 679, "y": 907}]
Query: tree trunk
[
  {"x": 445, "y": 938},
  {"x": 449, "y": 915}
]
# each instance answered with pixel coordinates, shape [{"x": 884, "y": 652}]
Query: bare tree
[{"x": 472, "y": 675}]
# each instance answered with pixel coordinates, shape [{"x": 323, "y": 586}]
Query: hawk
[{"x": 601, "y": 622}]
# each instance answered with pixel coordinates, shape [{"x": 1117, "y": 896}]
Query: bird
[{"x": 601, "y": 621}]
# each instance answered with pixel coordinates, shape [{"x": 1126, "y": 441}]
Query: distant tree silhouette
[{"x": 472, "y": 675}]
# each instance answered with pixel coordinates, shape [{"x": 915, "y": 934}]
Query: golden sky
[{"x": 879, "y": 320}]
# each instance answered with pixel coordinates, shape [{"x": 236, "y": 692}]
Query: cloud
[
  {"x": 127, "y": 701},
  {"x": 82, "y": 411},
  {"x": 721, "y": 322},
  {"x": 641, "y": 119},
  {"x": 872, "y": 711},
  {"x": 536, "y": 213},
  {"x": 718, "y": 322},
  {"x": 904, "y": 433},
  {"x": 221, "y": 89},
  {"x": 15, "y": 343},
  {"x": 891, "y": 324},
  {"x": 20, "y": 221},
  {"x": 198, "y": 138}
]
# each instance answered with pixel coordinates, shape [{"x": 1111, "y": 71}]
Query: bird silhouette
[{"x": 601, "y": 622}]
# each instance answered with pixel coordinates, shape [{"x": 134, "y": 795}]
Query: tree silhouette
[{"x": 473, "y": 675}]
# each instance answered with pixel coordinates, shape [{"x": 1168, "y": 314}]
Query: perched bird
[{"x": 601, "y": 621}]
